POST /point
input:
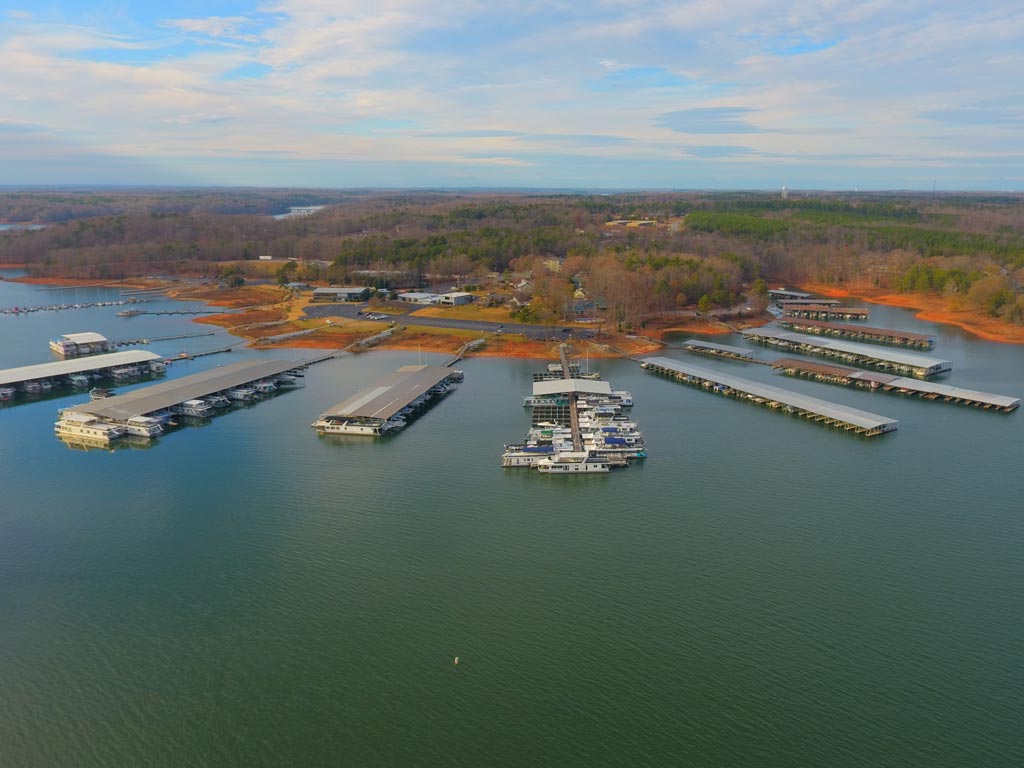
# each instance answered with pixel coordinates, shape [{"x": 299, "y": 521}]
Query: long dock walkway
[
  {"x": 834, "y": 374},
  {"x": 888, "y": 360},
  {"x": 859, "y": 333},
  {"x": 811, "y": 408}
]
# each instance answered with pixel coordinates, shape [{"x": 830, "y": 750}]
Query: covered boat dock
[
  {"x": 373, "y": 410},
  {"x": 834, "y": 415},
  {"x": 58, "y": 372},
  {"x": 163, "y": 396},
  {"x": 834, "y": 374},
  {"x": 718, "y": 350},
  {"x": 888, "y": 360},
  {"x": 859, "y": 333},
  {"x": 822, "y": 311}
]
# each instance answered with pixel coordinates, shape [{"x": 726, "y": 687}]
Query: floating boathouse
[
  {"x": 834, "y": 374},
  {"x": 28, "y": 378},
  {"x": 811, "y": 408},
  {"x": 888, "y": 360}
]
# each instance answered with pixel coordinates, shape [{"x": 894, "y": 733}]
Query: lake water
[{"x": 761, "y": 591}]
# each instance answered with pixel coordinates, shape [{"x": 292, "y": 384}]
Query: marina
[
  {"x": 834, "y": 374},
  {"x": 831, "y": 414},
  {"x": 577, "y": 427},
  {"x": 807, "y": 302},
  {"x": 823, "y": 311},
  {"x": 388, "y": 404},
  {"x": 859, "y": 333},
  {"x": 888, "y": 360},
  {"x": 784, "y": 295},
  {"x": 108, "y": 418}
]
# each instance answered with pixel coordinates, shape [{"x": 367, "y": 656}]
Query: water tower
[{"x": 785, "y": 193}]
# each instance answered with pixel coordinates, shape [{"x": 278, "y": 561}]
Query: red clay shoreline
[{"x": 934, "y": 309}]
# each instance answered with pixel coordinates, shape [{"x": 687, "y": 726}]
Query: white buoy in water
[{"x": 456, "y": 661}]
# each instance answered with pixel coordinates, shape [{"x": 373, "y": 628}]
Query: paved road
[{"x": 530, "y": 331}]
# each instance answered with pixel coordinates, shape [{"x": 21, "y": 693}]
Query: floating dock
[
  {"x": 888, "y": 360},
  {"x": 59, "y": 373},
  {"x": 834, "y": 374},
  {"x": 718, "y": 350},
  {"x": 859, "y": 333},
  {"x": 155, "y": 398},
  {"x": 831, "y": 414},
  {"x": 383, "y": 406},
  {"x": 822, "y": 311}
]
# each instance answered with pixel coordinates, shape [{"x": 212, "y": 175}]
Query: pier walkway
[
  {"x": 811, "y": 408},
  {"x": 888, "y": 360},
  {"x": 834, "y": 374},
  {"x": 859, "y": 333}
]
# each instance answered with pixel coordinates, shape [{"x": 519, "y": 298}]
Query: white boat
[
  {"x": 573, "y": 463},
  {"x": 217, "y": 401},
  {"x": 157, "y": 367},
  {"x": 242, "y": 394},
  {"x": 79, "y": 380},
  {"x": 143, "y": 426},
  {"x": 84, "y": 426},
  {"x": 45, "y": 384},
  {"x": 197, "y": 408},
  {"x": 31, "y": 387},
  {"x": 98, "y": 393},
  {"x": 125, "y": 372},
  {"x": 329, "y": 426},
  {"x": 7, "y": 393},
  {"x": 525, "y": 455},
  {"x": 265, "y": 387}
]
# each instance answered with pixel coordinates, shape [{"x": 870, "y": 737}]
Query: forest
[{"x": 692, "y": 249}]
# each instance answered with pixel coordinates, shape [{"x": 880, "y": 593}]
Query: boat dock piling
[
  {"x": 888, "y": 360},
  {"x": 811, "y": 408},
  {"x": 834, "y": 374},
  {"x": 859, "y": 333}
]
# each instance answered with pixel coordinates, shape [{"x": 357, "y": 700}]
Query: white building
[
  {"x": 455, "y": 298},
  {"x": 415, "y": 297}
]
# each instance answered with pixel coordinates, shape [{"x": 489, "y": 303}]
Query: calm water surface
[{"x": 762, "y": 591}]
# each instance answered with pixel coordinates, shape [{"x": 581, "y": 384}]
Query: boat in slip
[
  {"x": 7, "y": 393},
  {"x": 525, "y": 455},
  {"x": 241, "y": 394},
  {"x": 332, "y": 426},
  {"x": 73, "y": 426},
  {"x": 195, "y": 408},
  {"x": 217, "y": 401},
  {"x": 79, "y": 380},
  {"x": 143, "y": 426},
  {"x": 573, "y": 463}
]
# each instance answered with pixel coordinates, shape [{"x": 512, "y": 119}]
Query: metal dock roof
[
  {"x": 392, "y": 393},
  {"x": 85, "y": 337},
  {"x": 697, "y": 343},
  {"x": 843, "y": 413},
  {"x": 566, "y": 386},
  {"x": 78, "y": 365},
  {"x": 157, "y": 397},
  {"x": 853, "y": 348},
  {"x": 809, "y": 302},
  {"x": 862, "y": 330},
  {"x": 899, "y": 382}
]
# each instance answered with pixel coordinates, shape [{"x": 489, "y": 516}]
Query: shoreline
[{"x": 933, "y": 309}]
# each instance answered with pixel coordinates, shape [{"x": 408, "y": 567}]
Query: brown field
[{"x": 467, "y": 312}]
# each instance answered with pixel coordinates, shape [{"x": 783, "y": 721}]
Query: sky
[{"x": 570, "y": 94}]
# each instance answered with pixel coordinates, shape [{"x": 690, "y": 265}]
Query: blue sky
[{"x": 878, "y": 94}]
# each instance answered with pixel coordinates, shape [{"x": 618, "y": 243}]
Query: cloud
[
  {"x": 708, "y": 120},
  {"x": 212, "y": 26}
]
